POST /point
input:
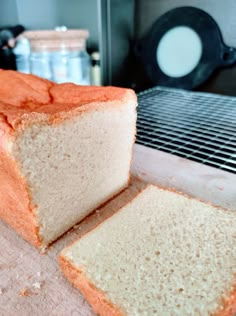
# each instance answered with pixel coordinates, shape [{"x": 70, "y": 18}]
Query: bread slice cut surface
[{"x": 161, "y": 254}]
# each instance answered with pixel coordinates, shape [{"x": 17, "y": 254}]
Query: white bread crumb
[{"x": 161, "y": 254}]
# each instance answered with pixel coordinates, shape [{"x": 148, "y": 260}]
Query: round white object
[{"x": 179, "y": 51}]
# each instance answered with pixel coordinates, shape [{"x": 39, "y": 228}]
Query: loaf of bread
[
  {"x": 64, "y": 150},
  {"x": 161, "y": 254}
]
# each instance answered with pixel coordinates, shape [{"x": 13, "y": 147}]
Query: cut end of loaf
[
  {"x": 163, "y": 253},
  {"x": 64, "y": 151}
]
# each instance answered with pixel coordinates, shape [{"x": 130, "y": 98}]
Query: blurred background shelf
[{"x": 115, "y": 26}]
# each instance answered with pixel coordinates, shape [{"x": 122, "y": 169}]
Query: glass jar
[
  {"x": 40, "y": 64},
  {"x": 79, "y": 67},
  {"x": 71, "y": 64},
  {"x": 60, "y": 56},
  {"x": 22, "y": 53}
]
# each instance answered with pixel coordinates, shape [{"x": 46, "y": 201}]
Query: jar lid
[
  {"x": 57, "y": 44},
  {"x": 56, "y": 34},
  {"x": 51, "y": 40}
]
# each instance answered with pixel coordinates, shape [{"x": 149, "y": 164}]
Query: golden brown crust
[
  {"x": 15, "y": 206},
  {"x": 26, "y": 99},
  {"x": 96, "y": 298},
  {"x": 229, "y": 305}
]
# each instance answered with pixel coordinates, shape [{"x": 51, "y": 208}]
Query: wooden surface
[{"x": 32, "y": 284}]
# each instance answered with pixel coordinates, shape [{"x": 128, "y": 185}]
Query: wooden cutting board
[{"x": 32, "y": 284}]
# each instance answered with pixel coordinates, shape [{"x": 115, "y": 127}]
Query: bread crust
[
  {"x": 37, "y": 100},
  {"x": 96, "y": 298},
  {"x": 15, "y": 206},
  {"x": 228, "y": 305}
]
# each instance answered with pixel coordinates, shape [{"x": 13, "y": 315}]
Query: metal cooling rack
[{"x": 197, "y": 126}]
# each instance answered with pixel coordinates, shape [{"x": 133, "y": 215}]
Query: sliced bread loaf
[
  {"x": 161, "y": 254},
  {"x": 64, "y": 150}
]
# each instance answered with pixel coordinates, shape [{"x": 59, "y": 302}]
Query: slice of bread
[
  {"x": 64, "y": 150},
  {"x": 161, "y": 254}
]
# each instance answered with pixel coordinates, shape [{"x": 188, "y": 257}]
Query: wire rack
[{"x": 197, "y": 126}]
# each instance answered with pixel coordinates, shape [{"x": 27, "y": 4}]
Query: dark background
[
  {"x": 116, "y": 25},
  {"x": 224, "y": 12}
]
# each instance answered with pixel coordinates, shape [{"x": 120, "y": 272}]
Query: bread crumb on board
[
  {"x": 28, "y": 292},
  {"x": 37, "y": 285},
  {"x": 25, "y": 292}
]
